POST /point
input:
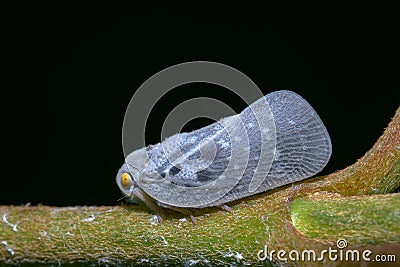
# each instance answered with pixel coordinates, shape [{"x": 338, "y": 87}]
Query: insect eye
[{"x": 126, "y": 180}]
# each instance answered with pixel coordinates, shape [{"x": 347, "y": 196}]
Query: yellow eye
[{"x": 126, "y": 180}]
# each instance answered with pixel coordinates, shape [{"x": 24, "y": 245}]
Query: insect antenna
[{"x": 118, "y": 200}]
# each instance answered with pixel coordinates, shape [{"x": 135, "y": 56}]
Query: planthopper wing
[
  {"x": 302, "y": 147},
  {"x": 279, "y": 139}
]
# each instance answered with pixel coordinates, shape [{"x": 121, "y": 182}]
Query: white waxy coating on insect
[{"x": 285, "y": 141}]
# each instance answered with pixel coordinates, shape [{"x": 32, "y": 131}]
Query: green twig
[
  {"x": 361, "y": 220},
  {"x": 311, "y": 214}
]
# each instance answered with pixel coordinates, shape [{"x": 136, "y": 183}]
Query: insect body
[{"x": 277, "y": 140}]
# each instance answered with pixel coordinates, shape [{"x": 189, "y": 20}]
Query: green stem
[
  {"x": 360, "y": 220},
  {"x": 284, "y": 218}
]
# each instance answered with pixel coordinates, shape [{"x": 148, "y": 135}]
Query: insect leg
[
  {"x": 140, "y": 194},
  {"x": 226, "y": 208},
  {"x": 181, "y": 210}
]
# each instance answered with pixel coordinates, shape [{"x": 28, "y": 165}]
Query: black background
[{"x": 74, "y": 76}]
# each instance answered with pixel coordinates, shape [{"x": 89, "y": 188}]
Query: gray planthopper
[{"x": 277, "y": 140}]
